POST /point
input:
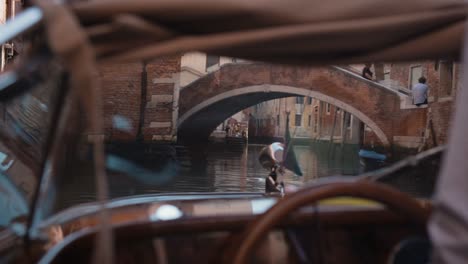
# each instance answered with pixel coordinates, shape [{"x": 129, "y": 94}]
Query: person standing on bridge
[
  {"x": 420, "y": 92},
  {"x": 366, "y": 72}
]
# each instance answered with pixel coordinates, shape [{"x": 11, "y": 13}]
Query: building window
[
  {"x": 300, "y": 100},
  {"x": 328, "y": 108},
  {"x": 348, "y": 118},
  {"x": 298, "y": 120},
  {"x": 309, "y": 121},
  {"x": 415, "y": 74},
  {"x": 211, "y": 60},
  {"x": 309, "y": 99},
  {"x": 446, "y": 77},
  {"x": 277, "y": 120}
]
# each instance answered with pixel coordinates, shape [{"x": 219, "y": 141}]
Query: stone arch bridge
[{"x": 207, "y": 102}]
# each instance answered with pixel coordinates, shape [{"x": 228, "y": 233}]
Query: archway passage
[
  {"x": 205, "y": 103},
  {"x": 199, "y": 126}
]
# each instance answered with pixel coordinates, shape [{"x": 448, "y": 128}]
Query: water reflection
[{"x": 220, "y": 168}]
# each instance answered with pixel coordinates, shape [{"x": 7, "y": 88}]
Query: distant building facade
[{"x": 309, "y": 118}]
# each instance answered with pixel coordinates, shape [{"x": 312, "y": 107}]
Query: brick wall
[
  {"x": 121, "y": 85},
  {"x": 164, "y": 68},
  {"x": 440, "y": 104},
  {"x": 327, "y": 120},
  {"x": 370, "y": 140},
  {"x": 122, "y": 89},
  {"x": 400, "y": 73}
]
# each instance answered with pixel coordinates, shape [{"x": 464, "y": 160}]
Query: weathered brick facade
[
  {"x": 319, "y": 121},
  {"x": 123, "y": 85},
  {"x": 442, "y": 105},
  {"x": 161, "y": 112},
  {"x": 441, "y": 98}
]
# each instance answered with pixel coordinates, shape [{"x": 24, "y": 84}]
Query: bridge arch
[
  {"x": 277, "y": 91},
  {"x": 209, "y": 100}
]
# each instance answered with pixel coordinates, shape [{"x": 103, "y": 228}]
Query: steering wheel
[{"x": 397, "y": 201}]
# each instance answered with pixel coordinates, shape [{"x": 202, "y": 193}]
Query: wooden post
[
  {"x": 345, "y": 134},
  {"x": 343, "y": 139},
  {"x": 332, "y": 134}
]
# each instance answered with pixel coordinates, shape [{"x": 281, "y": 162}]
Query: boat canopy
[{"x": 295, "y": 31}]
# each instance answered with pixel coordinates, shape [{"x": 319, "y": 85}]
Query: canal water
[
  {"x": 227, "y": 168},
  {"x": 206, "y": 168}
]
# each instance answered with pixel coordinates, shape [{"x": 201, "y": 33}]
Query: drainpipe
[{"x": 144, "y": 88}]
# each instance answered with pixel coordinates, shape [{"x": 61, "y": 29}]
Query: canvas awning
[{"x": 293, "y": 31}]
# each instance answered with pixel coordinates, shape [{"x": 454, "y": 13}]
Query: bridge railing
[
  {"x": 390, "y": 85},
  {"x": 393, "y": 84}
]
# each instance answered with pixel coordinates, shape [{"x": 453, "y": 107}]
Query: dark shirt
[
  {"x": 271, "y": 184},
  {"x": 366, "y": 73}
]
